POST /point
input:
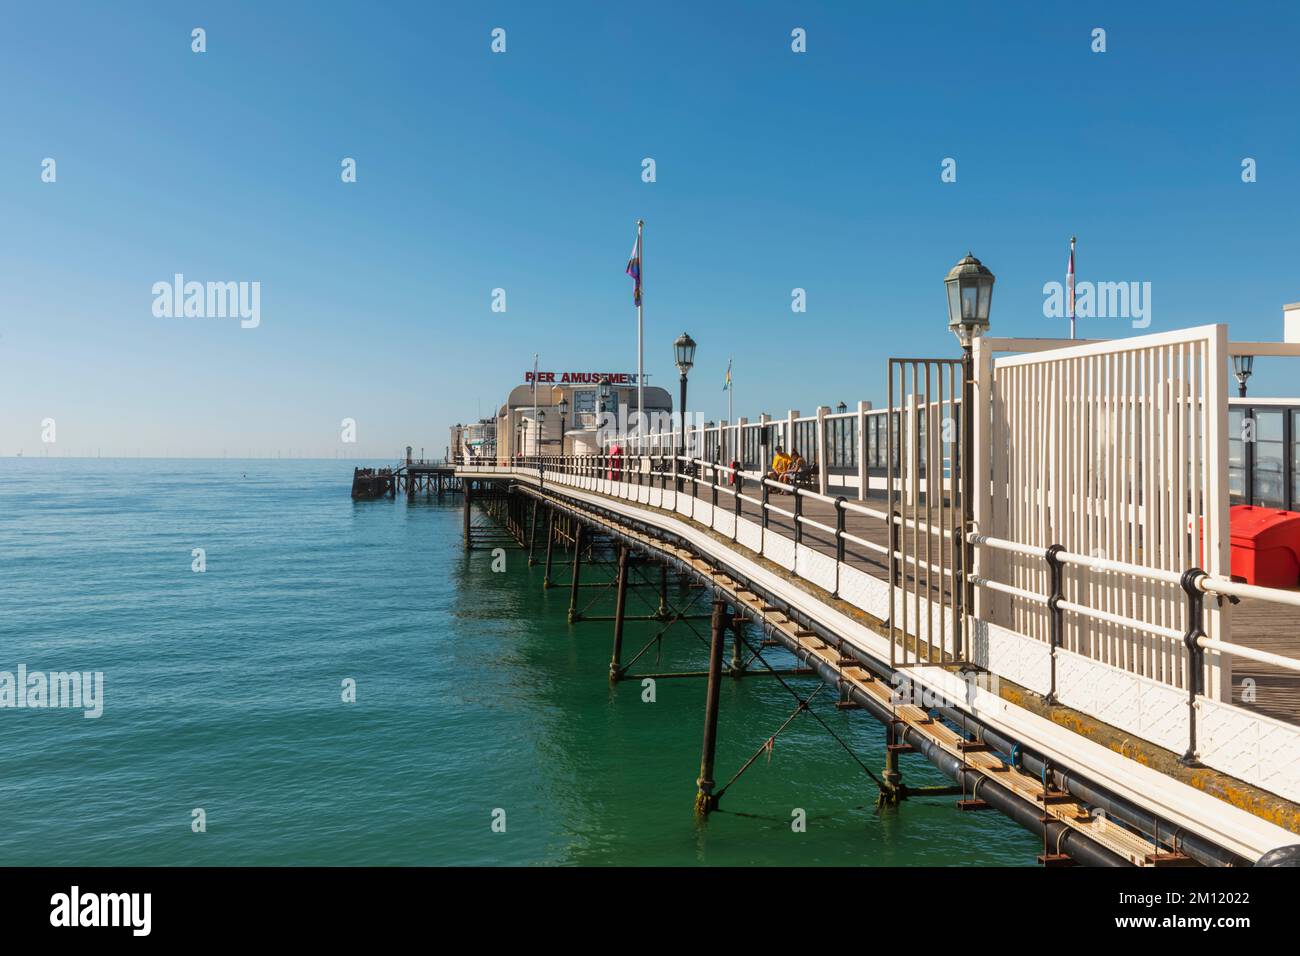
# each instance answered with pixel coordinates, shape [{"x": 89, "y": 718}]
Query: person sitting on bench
[
  {"x": 798, "y": 470},
  {"x": 780, "y": 464}
]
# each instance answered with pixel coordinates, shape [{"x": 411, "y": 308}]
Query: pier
[
  {"x": 1063, "y": 640},
  {"x": 414, "y": 477}
]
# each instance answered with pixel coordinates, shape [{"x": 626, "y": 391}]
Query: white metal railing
[
  {"x": 1193, "y": 638},
  {"x": 848, "y": 449},
  {"x": 1113, "y": 450},
  {"x": 618, "y": 473},
  {"x": 1201, "y": 580}
]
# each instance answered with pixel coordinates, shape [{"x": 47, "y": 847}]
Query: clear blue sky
[{"x": 522, "y": 171}]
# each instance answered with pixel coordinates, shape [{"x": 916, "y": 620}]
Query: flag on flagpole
[
  {"x": 726, "y": 384},
  {"x": 634, "y": 270}
]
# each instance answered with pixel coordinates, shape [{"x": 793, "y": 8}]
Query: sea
[{"x": 291, "y": 677}]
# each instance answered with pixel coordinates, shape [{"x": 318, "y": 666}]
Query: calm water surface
[{"x": 223, "y": 691}]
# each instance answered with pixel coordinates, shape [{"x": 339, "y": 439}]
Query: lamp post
[
  {"x": 602, "y": 400},
  {"x": 1242, "y": 366},
  {"x": 970, "y": 293},
  {"x": 684, "y": 357},
  {"x": 603, "y": 394},
  {"x": 537, "y": 428},
  {"x": 564, "y": 413}
]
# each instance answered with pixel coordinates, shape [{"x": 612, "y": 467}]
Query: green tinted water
[{"x": 223, "y": 691}]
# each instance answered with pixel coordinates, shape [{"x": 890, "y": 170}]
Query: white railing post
[
  {"x": 823, "y": 466},
  {"x": 790, "y": 416},
  {"x": 861, "y": 425},
  {"x": 1218, "y": 554},
  {"x": 739, "y": 453},
  {"x": 981, "y": 441}
]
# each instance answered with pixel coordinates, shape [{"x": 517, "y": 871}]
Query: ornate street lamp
[
  {"x": 841, "y": 408},
  {"x": 684, "y": 357},
  {"x": 603, "y": 393},
  {"x": 564, "y": 413},
  {"x": 970, "y": 292},
  {"x": 1242, "y": 366},
  {"x": 563, "y": 407}
]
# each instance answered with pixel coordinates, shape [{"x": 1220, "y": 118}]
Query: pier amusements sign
[{"x": 580, "y": 378}]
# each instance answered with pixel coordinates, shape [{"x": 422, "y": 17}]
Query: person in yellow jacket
[{"x": 780, "y": 464}]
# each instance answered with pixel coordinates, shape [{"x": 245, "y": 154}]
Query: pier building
[{"x": 561, "y": 414}]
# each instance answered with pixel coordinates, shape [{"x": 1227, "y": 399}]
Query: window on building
[
  {"x": 1236, "y": 457},
  {"x": 1270, "y": 473}
]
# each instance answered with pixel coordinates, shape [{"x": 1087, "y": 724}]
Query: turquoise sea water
[{"x": 223, "y": 691}]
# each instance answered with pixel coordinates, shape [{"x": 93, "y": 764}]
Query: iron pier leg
[
  {"x": 577, "y": 571},
  {"x": 550, "y": 545},
  {"x": 468, "y": 496},
  {"x": 705, "y": 802},
  {"x": 737, "y": 644},
  {"x": 620, "y": 603},
  {"x": 663, "y": 592},
  {"x": 892, "y": 777},
  {"x": 532, "y": 534}
]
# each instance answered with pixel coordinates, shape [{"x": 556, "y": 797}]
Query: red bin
[{"x": 1265, "y": 546}]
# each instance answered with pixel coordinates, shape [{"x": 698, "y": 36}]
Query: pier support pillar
[
  {"x": 737, "y": 644},
  {"x": 468, "y": 496},
  {"x": 705, "y": 801},
  {"x": 892, "y": 777},
  {"x": 550, "y": 545},
  {"x": 662, "y": 613},
  {"x": 532, "y": 534},
  {"x": 577, "y": 571},
  {"x": 620, "y": 605}
]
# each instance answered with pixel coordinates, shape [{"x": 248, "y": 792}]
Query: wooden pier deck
[{"x": 1267, "y": 627}]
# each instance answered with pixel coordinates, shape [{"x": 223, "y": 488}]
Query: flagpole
[
  {"x": 640, "y": 337},
  {"x": 1074, "y": 271},
  {"x": 731, "y": 421},
  {"x": 535, "y": 441}
]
